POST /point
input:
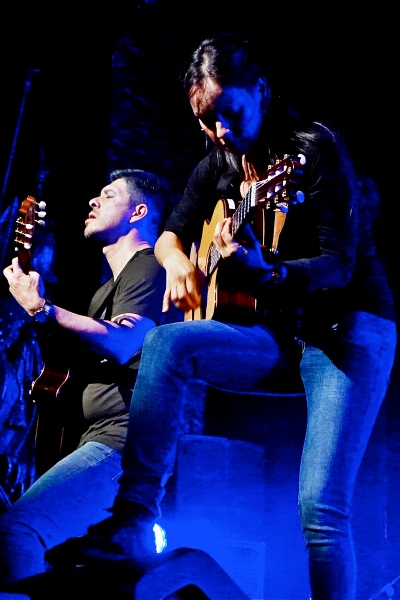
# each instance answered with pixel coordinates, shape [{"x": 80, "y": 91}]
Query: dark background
[{"x": 89, "y": 86}]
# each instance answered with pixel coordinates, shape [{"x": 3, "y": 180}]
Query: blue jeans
[
  {"x": 345, "y": 386},
  {"x": 62, "y": 503},
  {"x": 173, "y": 355}
]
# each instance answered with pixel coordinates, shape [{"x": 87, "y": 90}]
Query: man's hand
[
  {"x": 27, "y": 289},
  {"x": 182, "y": 283}
]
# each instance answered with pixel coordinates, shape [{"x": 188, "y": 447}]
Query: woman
[{"x": 319, "y": 290}]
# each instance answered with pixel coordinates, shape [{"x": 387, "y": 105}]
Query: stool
[
  {"x": 224, "y": 493},
  {"x": 210, "y": 410}
]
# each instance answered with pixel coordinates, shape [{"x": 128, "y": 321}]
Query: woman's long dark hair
[{"x": 226, "y": 59}]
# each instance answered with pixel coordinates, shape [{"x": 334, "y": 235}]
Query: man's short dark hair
[{"x": 150, "y": 189}]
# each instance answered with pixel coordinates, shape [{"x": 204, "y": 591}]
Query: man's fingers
[
  {"x": 7, "y": 272},
  {"x": 16, "y": 267},
  {"x": 13, "y": 271}
]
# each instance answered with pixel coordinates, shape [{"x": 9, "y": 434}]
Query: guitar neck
[
  {"x": 244, "y": 209},
  {"x": 274, "y": 191},
  {"x": 238, "y": 218},
  {"x": 24, "y": 259}
]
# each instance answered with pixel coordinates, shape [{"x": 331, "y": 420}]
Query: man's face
[
  {"x": 111, "y": 213},
  {"x": 231, "y": 116}
]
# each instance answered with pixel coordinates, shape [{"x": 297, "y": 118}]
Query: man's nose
[{"x": 94, "y": 202}]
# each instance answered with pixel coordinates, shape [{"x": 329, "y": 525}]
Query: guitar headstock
[
  {"x": 278, "y": 189},
  {"x": 30, "y": 214}
]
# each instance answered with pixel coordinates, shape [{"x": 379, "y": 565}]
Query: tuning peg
[
  {"x": 40, "y": 222},
  {"x": 41, "y": 214},
  {"x": 25, "y": 245},
  {"x": 282, "y": 207},
  {"x": 294, "y": 197},
  {"x": 302, "y": 159},
  {"x": 41, "y": 205}
]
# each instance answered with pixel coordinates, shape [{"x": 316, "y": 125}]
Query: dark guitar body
[{"x": 57, "y": 421}]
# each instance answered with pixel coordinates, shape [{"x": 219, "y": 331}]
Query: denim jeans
[
  {"x": 172, "y": 356},
  {"x": 344, "y": 392},
  {"x": 62, "y": 503},
  {"x": 345, "y": 386}
]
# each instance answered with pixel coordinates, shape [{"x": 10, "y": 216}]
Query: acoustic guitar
[
  {"x": 46, "y": 388},
  {"x": 271, "y": 196}
]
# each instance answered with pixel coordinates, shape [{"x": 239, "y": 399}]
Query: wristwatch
[{"x": 43, "y": 314}]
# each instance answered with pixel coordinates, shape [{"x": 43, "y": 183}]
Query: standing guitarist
[
  {"x": 125, "y": 220},
  {"x": 308, "y": 279}
]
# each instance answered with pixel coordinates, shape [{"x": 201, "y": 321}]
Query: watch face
[{"x": 41, "y": 316}]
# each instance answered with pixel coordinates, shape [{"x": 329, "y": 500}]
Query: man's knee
[{"x": 21, "y": 551}]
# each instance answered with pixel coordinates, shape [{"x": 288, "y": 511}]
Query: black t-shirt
[{"x": 108, "y": 387}]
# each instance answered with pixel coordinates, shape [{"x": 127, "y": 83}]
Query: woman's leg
[
  {"x": 72, "y": 495},
  {"x": 345, "y": 388},
  {"x": 173, "y": 356},
  {"x": 219, "y": 354}
]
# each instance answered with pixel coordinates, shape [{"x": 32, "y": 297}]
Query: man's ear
[{"x": 140, "y": 211}]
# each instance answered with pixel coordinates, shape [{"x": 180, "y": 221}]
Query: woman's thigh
[
  {"x": 218, "y": 353},
  {"x": 345, "y": 386}
]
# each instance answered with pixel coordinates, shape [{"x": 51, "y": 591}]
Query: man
[
  {"x": 319, "y": 286},
  {"x": 125, "y": 221}
]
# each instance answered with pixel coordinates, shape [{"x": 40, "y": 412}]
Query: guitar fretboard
[
  {"x": 281, "y": 175},
  {"x": 238, "y": 218}
]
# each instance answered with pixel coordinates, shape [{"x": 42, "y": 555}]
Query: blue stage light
[{"x": 161, "y": 538}]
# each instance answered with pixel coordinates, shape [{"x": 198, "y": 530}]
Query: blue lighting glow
[{"x": 160, "y": 538}]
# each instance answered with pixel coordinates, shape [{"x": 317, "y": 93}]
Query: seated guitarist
[
  {"x": 316, "y": 285},
  {"x": 125, "y": 220}
]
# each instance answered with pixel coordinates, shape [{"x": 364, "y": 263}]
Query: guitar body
[
  {"x": 218, "y": 299},
  {"x": 265, "y": 206},
  {"x": 55, "y": 373},
  {"x": 51, "y": 393},
  {"x": 49, "y": 383}
]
